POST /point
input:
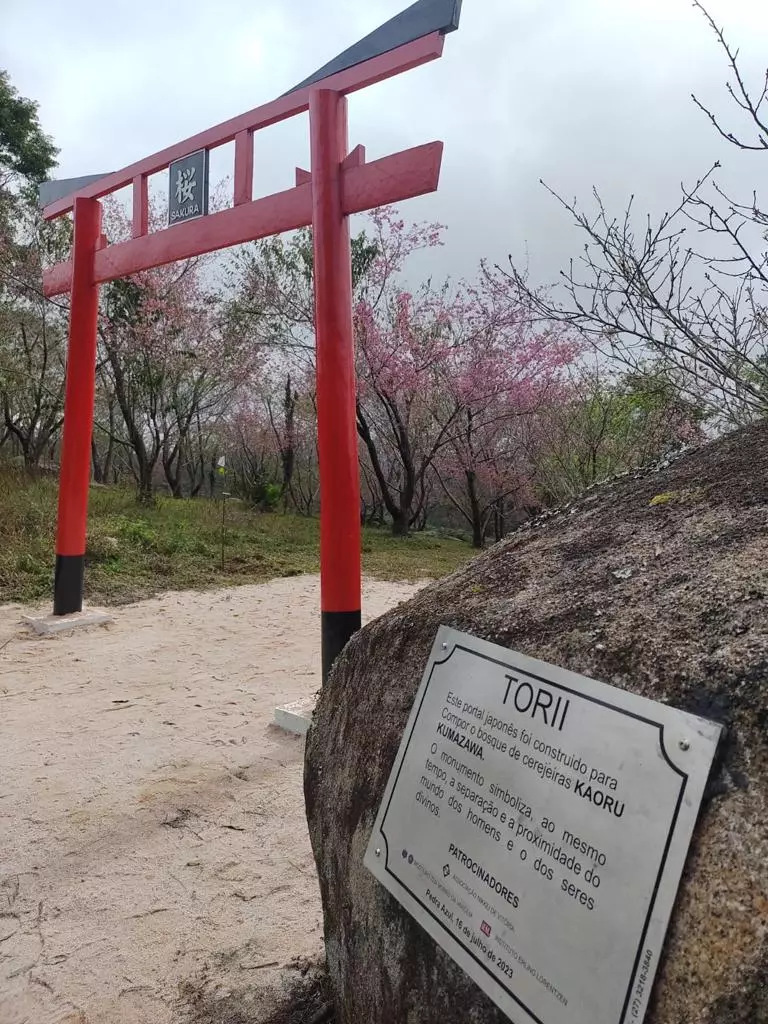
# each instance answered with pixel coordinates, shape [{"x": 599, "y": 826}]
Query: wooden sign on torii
[{"x": 338, "y": 184}]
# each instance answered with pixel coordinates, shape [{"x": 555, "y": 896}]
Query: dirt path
[{"x": 153, "y": 850}]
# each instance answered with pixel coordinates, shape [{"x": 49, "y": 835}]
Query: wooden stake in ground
[{"x": 224, "y": 496}]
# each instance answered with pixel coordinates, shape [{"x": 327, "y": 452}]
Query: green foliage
[
  {"x": 275, "y": 301},
  {"x": 295, "y": 257},
  {"x": 755, "y": 373},
  {"x": 123, "y": 300},
  {"x": 364, "y": 252},
  {"x": 650, "y": 391},
  {"x": 251, "y": 484},
  {"x": 609, "y": 426},
  {"x": 134, "y": 552},
  {"x": 272, "y": 494},
  {"x": 139, "y": 533},
  {"x": 25, "y": 149}
]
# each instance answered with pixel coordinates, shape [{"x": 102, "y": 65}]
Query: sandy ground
[{"x": 153, "y": 848}]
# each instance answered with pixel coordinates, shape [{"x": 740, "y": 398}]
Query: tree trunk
[
  {"x": 288, "y": 453},
  {"x": 499, "y": 519},
  {"x": 478, "y": 533},
  {"x": 98, "y": 476},
  {"x": 144, "y": 479},
  {"x": 173, "y": 476},
  {"x": 145, "y": 461},
  {"x": 31, "y": 457},
  {"x": 396, "y": 511},
  {"x": 401, "y": 523},
  {"x": 171, "y": 460},
  {"x": 107, "y": 464}
]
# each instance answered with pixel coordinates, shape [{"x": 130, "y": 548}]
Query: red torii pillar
[
  {"x": 340, "y": 598},
  {"x": 80, "y": 386},
  {"x": 339, "y": 184}
]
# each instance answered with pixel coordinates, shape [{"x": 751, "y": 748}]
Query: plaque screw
[
  {"x": 378, "y": 851},
  {"x": 685, "y": 744}
]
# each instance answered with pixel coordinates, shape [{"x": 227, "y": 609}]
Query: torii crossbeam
[{"x": 339, "y": 183}]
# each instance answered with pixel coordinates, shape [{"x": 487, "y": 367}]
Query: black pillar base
[
  {"x": 68, "y": 584},
  {"x": 337, "y": 628}
]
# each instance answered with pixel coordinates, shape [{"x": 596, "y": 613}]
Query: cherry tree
[
  {"x": 273, "y": 300},
  {"x": 503, "y": 366},
  {"x": 291, "y": 407},
  {"x": 402, "y": 337},
  {"x": 173, "y": 361},
  {"x": 273, "y": 439},
  {"x": 402, "y": 343}
]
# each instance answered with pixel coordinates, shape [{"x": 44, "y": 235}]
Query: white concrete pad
[
  {"x": 295, "y": 717},
  {"x": 48, "y": 625}
]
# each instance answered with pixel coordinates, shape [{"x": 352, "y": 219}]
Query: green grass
[{"x": 134, "y": 552}]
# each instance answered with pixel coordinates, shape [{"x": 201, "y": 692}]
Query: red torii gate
[{"x": 340, "y": 183}]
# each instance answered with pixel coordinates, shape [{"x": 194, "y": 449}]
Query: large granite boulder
[{"x": 657, "y": 583}]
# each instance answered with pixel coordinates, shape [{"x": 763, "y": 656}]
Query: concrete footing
[
  {"x": 48, "y": 625},
  {"x": 296, "y": 716}
]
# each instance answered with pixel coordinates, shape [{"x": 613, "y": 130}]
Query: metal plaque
[
  {"x": 536, "y": 824},
  {"x": 188, "y": 187}
]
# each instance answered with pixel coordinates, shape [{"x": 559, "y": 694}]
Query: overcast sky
[{"x": 578, "y": 92}]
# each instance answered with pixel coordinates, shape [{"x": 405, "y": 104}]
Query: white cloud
[{"x": 576, "y": 92}]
